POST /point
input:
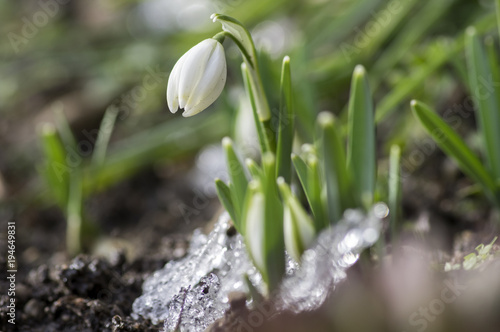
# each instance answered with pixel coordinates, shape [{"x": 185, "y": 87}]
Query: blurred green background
[{"x": 85, "y": 55}]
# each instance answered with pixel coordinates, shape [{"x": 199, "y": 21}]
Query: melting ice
[{"x": 191, "y": 293}]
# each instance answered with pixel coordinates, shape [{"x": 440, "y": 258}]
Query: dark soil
[{"x": 142, "y": 229}]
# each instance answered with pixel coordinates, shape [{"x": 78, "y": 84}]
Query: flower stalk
[{"x": 242, "y": 38}]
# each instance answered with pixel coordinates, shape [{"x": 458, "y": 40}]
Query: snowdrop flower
[{"x": 198, "y": 78}]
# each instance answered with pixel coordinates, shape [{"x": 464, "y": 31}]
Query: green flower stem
[
  {"x": 220, "y": 37},
  {"x": 242, "y": 38}
]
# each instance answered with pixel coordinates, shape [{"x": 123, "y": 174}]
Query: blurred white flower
[{"x": 198, "y": 78}]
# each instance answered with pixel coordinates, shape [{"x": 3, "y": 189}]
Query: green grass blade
[
  {"x": 55, "y": 170},
  {"x": 74, "y": 232},
  {"x": 436, "y": 60},
  {"x": 493, "y": 59},
  {"x": 449, "y": 141},
  {"x": 483, "y": 92},
  {"x": 105, "y": 130},
  {"x": 237, "y": 175},
  {"x": 64, "y": 129},
  {"x": 338, "y": 182},
  {"x": 410, "y": 35},
  {"x": 286, "y": 125},
  {"x": 395, "y": 190},
  {"x": 162, "y": 142},
  {"x": 497, "y": 6},
  {"x": 361, "y": 158},
  {"x": 225, "y": 197}
]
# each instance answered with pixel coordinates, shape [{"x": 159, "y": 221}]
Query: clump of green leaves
[
  {"x": 335, "y": 172},
  {"x": 64, "y": 172},
  {"x": 485, "y": 171},
  {"x": 483, "y": 76}
]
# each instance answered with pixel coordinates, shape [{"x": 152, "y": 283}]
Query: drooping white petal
[
  {"x": 173, "y": 85},
  {"x": 210, "y": 97},
  {"x": 193, "y": 69},
  {"x": 215, "y": 71}
]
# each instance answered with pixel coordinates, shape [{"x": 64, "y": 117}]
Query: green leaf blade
[
  {"x": 395, "y": 190},
  {"x": 449, "y": 141},
  {"x": 56, "y": 170},
  {"x": 105, "y": 130},
  {"x": 225, "y": 197},
  {"x": 237, "y": 175},
  {"x": 286, "y": 124},
  {"x": 361, "y": 158},
  {"x": 483, "y": 91},
  {"x": 337, "y": 178}
]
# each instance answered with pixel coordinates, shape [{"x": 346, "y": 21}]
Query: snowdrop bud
[{"x": 198, "y": 78}]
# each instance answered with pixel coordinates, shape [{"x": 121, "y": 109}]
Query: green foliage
[
  {"x": 238, "y": 180},
  {"x": 482, "y": 88},
  {"x": 64, "y": 173},
  {"x": 337, "y": 177},
  {"x": 299, "y": 229},
  {"x": 286, "y": 124},
  {"x": 449, "y": 141},
  {"x": 395, "y": 194},
  {"x": 361, "y": 148}
]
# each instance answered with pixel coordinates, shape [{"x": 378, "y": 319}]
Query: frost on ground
[{"x": 191, "y": 293}]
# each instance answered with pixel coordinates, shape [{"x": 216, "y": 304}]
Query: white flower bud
[{"x": 198, "y": 78}]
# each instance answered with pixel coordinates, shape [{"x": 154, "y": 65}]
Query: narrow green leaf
[
  {"x": 315, "y": 192},
  {"x": 395, "y": 190},
  {"x": 253, "y": 219},
  {"x": 410, "y": 34},
  {"x": 449, "y": 141},
  {"x": 338, "y": 182},
  {"x": 495, "y": 68},
  {"x": 64, "y": 128},
  {"x": 74, "y": 213},
  {"x": 299, "y": 230},
  {"x": 237, "y": 175},
  {"x": 265, "y": 145},
  {"x": 55, "y": 169},
  {"x": 274, "y": 245},
  {"x": 302, "y": 172},
  {"x": 225, "y": 197},
  {"x": 254, "y": 169},
  {"x": 105, "y": 130},
  {"x": 484, "y": 94},
  {"x": 497, "y": 6},
  {"x": 361, "y": 160},
  {"x": 286, "y": 124}
]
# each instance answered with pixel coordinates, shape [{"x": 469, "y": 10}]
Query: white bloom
[{"x": 198, "y": 78}]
